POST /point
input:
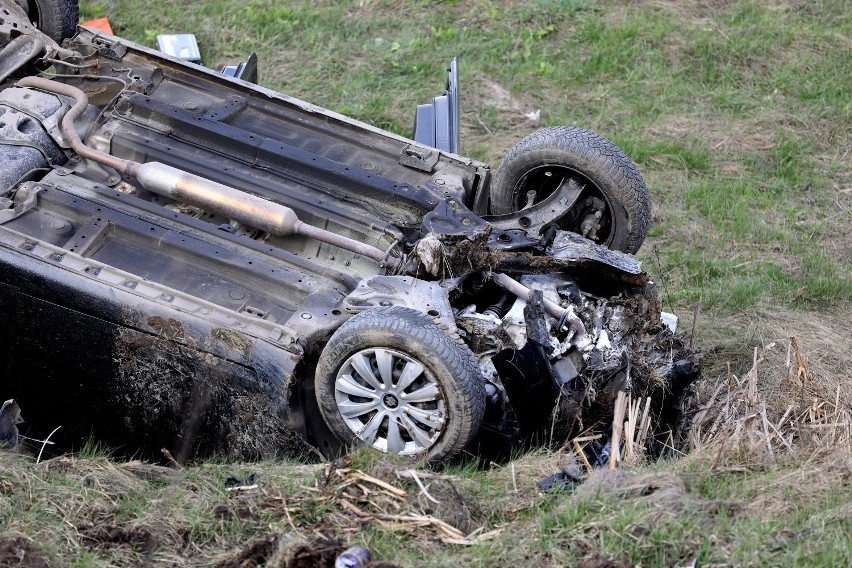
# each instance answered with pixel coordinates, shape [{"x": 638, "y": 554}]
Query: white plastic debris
[
  {"x": 430, "y": 251},
  {"x": 182, "y": 46},
  {"x": 670, "y": 320}
]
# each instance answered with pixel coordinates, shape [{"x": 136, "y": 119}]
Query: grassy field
[{"x": 738, "y": 114}]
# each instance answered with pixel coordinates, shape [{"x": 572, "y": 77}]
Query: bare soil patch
[{"x": 21, "y": 552}]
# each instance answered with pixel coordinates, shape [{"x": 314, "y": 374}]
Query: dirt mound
[
  {"x": 108, "y": 535},
  {"x": 21, "y": 552},
  {"x": 665, "y": 491}
]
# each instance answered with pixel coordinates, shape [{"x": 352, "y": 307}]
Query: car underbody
[{"x": 193, "y": 262}]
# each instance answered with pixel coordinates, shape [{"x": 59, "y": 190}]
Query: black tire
[
  {"x": 448, "y": 367},
  {"x": 542, "y": 159},
  {"x": 55, "y": 18}
]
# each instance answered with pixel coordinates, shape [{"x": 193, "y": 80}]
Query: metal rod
[
  {"x": 562, "y": 315},
  {"x": 346, "y": 243}
]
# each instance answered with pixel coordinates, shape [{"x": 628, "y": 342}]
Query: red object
[{"x": 99, "y": 23}]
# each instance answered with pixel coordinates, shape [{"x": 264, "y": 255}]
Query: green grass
[
  {"x": 738, "y": 116},
  {"x": 709, "y": 522}
]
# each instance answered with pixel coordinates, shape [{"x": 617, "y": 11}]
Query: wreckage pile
[
  {"x": 499, "y": 315},
  {"x": 637, "y": 363}
]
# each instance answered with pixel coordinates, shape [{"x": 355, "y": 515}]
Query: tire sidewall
[{"x": 56, "y": 18}]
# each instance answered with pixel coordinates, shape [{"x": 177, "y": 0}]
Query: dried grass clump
[
  {"x": 661, "y": 491},
  {"x": 783, "y": 406},
  {"x": 423, "y": 503}
]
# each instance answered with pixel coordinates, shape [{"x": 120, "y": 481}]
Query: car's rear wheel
[
  {"x": 614, "y": 207},
  {"x": 55, "y": 18},
  {"x": 392, "y": 379}
]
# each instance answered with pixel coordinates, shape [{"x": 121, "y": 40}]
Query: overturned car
[{"x": 194, "y": 262}]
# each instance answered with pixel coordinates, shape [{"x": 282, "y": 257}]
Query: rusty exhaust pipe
[
  {"x": 243, "y": 207},
  {"x": 81, "y": 101},
  {"x": 183, "y": 186}
]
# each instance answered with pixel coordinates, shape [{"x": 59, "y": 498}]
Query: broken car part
[
  {"x": 437, "y": 124},
  {"x": 213, "y": 267},
  {"x": 246, "y": 70},
  {"x": 180, "y": 46}
]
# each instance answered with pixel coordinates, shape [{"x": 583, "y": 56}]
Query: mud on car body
[{"x": 191, "y": 261}]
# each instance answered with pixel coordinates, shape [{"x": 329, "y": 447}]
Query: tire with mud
[
  {"x": 392, "y": 379},
  {"x": 55, "y": 18},
  {"x": 614, "y": 208}
]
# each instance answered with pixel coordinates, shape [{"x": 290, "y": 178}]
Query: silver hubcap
[{"x": 390, "y": 401}]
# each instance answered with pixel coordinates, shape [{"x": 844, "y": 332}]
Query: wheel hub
[
  {"x": 587, "y": 216},
  {"x": 390, "y": 401}
]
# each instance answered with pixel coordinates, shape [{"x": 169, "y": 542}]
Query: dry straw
[
  {"x": 794, "y": 410},
  {"x": 629, "y": 432},
  {"x": 778, "y": 407}
]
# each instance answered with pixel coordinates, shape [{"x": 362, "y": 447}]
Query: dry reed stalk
[
  {"x": 353, "y": 475},
  {"x": 645, "y": 424},
  {"x": 554, "y": 415},
  {"x": 617, "y": 422},
  {"x": 694, "y": 322},
  {"x": 836, "y": 416},
  {"x": 752, "y": 382},
  {"x": 579, "y": 449},
  {"x": 786, "y": 415},
  {"x": 45, "y": 442},
  {"x": 802, "y": 371},
  {"x": 766, "y": 430},
  {"x": 629, "y": 431},
  {"x": 698, "y": 419},
  {"x": 582, "y": 456},
  {"x": 631, "y": 426}
]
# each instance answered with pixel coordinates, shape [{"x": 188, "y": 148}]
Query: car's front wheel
[{"x": 392, "y": 379}]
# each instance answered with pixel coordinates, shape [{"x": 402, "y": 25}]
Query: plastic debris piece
[
  {"x": 99, "y": 24},
  {"x": 354, "y": 557},
  {"x": 670, "y": 320},
  {"x": 182, "y": 46}
]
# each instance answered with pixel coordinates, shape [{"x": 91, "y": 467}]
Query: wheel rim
[
  {"x": 390, "y": 401},
  {"x": 545, "y": 179}
]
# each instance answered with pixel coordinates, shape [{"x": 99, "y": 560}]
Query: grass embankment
[{"x": 738, "y": 114}]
